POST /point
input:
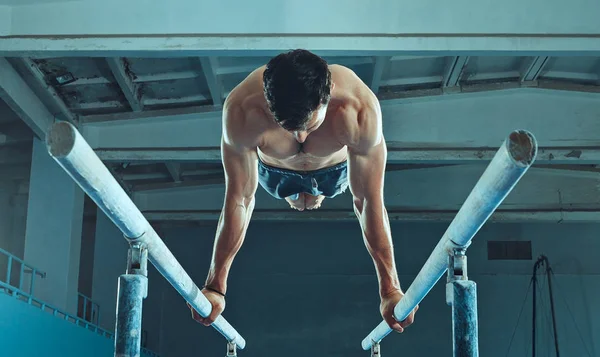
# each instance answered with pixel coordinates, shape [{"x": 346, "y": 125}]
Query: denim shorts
[{"x": 282, "y": 183}]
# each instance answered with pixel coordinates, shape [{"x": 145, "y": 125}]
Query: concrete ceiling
[
  {"x": 124, "y": 88},
  {"x": 159, "y": 83},
  {"x": 31, "y": 2},
  {"x": 145, "y": 88}
]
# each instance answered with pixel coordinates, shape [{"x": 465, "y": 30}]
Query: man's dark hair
[{"x": 295, "y": 84}]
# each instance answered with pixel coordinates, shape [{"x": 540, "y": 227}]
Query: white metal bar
[
  {"x": 125, "y": 82},
  {"x": 9, "y": 269},
  {"x": 511, "y": 162},
  {"x": 76, "y": 157}
]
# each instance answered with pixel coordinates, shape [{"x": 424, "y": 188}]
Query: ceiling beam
[
  {"x": 500, "y": 216},
  {"x": 119, "y": 178},
  {"x": 189, "y": 100},
  {"x": 350, "y": 61},
  {"x": 458, "y": 128},
  {"x": 215, "y": 86},
  {"x": 378, "y": 67},
  {"x": 144, "y": 176},
  {"x": 167, "y": 76},
  {"x": 466, "y": 89},
  {"x": 7, "y": 140},
  {"x": 410, "y": 81},
  {"x": 486, "y": 28},
  {"x": 208, "y": 180},
  {"x": 431, "y": 156},
  {"x": 40, "y": 80},
  {"x": 332, "y": 45},
  {"x": 494, "y": 76},
  {"x": 243, "y": 69},
  {"x": 573, "y": 76},
  {"x": 534, "y": 68},
  {"x": 120, "y": 70},
  {"x": 21, "y": 99},
  {"x": 433, "y": 189},
  {"x": 174, "y": 170},
  {"x": 553, "y": 85},
  {"x": 454, "y": 71}
]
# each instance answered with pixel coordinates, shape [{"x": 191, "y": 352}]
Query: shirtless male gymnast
[{"x": 304, "y": 130}]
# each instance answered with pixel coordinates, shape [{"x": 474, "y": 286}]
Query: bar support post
[
  {"x": 70, "y": 150},
  {"x": 133, "y": 289},
  {"x": 375, "y": 350},
  {"x": 461, "y": 295},
  {"x": 231, "y": 349},
  {"x": 510, "y": 163}
]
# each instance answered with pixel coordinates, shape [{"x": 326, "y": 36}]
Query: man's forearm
[
  {"x": 377, "y": 236},
  {"x": 230, "y": 236}
]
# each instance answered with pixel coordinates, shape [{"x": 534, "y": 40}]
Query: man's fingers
[
  {"x": 397, "y": 327},
  {"x": 408, "y": 321},
  {"x": 197, "y": 317},
  {"x": 209, "y": 320},
  {"x": 202, "y": 320},
  {"x": 410, "y": 318},
  {"x": 393, "y": 324}
]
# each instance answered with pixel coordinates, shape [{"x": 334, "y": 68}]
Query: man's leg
[
  {"x": 313, "y": 202},
  {"x": 304, "y": 201},
  {"x": 296, "y": 201}
]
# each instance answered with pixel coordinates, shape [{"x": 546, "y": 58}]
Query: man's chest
[{"x": 284, "y": 147}]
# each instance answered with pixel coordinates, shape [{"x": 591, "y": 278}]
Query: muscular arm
[
  {"x": 239, "y": 158},
  {"x": 366, "y": 165},
  {"x": 367, "y": 157}
]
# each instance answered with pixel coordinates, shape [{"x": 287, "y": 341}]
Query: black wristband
[{"x": 213, "y": 290}]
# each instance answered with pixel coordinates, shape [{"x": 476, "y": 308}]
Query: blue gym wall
[
  {"x": 27, "y": 331},
  {"x": 301, "y": 287},
  {"x": 306, "y": 288}
]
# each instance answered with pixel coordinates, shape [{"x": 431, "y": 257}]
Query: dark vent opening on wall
[{"x": 509, "y": 250}]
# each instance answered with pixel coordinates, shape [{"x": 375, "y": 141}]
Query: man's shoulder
[
  {"x": 359, "y": 116},
  {"x": 244, "y": 120}
]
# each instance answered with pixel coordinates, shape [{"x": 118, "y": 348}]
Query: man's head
[{"x": 297, "y": 87}]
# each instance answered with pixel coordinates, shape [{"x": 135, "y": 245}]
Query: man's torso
[{"x": 326, "y": 146}]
